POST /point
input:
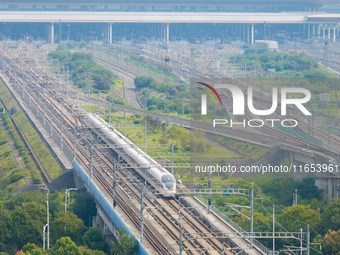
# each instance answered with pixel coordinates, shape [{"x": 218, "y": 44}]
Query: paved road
[{"x": 129, "y": 84}]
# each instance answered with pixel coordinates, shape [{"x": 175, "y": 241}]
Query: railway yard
[
  {"x": 309, "y": 129},
  {"x": 162, "y": 226},
  {"x": 165, "y": 221}
]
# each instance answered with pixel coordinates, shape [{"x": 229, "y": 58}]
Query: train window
[{"x": 168, "y": 180}]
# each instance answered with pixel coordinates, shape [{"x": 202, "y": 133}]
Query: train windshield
[{"x": 168, "y": 180}]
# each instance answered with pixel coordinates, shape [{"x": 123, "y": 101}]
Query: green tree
[
  {"x": 297, "y": 216},
  {"x": 144, "y": 82},
  {"x": 65, "y": 246},
  {"x": 31, "y": 249},
  {"x": 67, "y": 224},
  {"x": 27, "y": 223},
  {"x": 83, "y": 206},
  {"x": 330, "y": 217},
  {"x": 87, "y": 251},
  {"x": 330, "y": 242},
  {"x": 94, "y": 240},
  {"x": 126, "y": 245}
]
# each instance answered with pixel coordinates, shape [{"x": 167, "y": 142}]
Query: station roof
[{"x": 288, "y": 3}]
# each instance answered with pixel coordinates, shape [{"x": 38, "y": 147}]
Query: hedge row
[{"x": 17, "y": 141}]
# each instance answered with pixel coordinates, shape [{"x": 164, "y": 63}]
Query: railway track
[{"x": 33, "y": 75}]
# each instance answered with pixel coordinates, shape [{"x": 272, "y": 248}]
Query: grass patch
[
  {"x": 250, "y": 150},
  {"x": 6, "y": 96},
  {"x": 46, "y": 159}
]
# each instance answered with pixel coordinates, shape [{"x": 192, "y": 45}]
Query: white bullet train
[{"x": 158, "y": 177}]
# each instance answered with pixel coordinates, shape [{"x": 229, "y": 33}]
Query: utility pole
[
  {"x": 251, "y": 215},
  {"x": 172, "y": 157},
  {"x": 141, "y": 217},
  {"x": 295, "y": 202},
  {"x": 209, "y": 187},
  {"x": 74, "y": 141},
  {"x": 110, "y": 113},
  {"x": 67, "y": 197},
  {"x": 182, "y": 112},
  {"x": 37, "y": 105},
  {"x": 180, "y": 227},
  {"x": 301, "y": 245},
  {"x": 51, "y": 120},
  {"x": 273, "y": 229},
  {"x": 308, "y": 239},
  {"x": 145, "y": 133},
  {"x": 44, "y": 113},
  {"x": 44, "y": 238},
  {"x": 98, "y": 104},
  {"x": 91, "y": 160},
  {"x": 114, "y": 181},
  {"x": 48, "y": 218},
  {"x": 329, "y": 129},
  {"x": 29, "y": 100},
  {"x": 125, "y": 123},
  {"x": 336, "y": 104},
  {"x": 61, "y": 129}
]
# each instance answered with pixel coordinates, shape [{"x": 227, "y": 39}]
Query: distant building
[{"x": 269, "y": 44}]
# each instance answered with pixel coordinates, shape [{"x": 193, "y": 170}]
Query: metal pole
[
  {"x": 91, "y": 160},
  {"x": 301, "y": 253},
  {"x": 146, "y": 104},
  {"x": 179, "y": 208},
  {"x": 114, "y": 185},
  {"x": 309, "y": 133},
  {"x": 296, "y": 202},
  {"x": 145, "y": 135},
  {"x": 23, "y": 91},
  {"x": 74, "y": 141},
  {"x": 110, "y": 113},
  {"x": 141, "y": 217},
  {"x": 77, "y": 94},
  {"x": 67, "y": 81},
  {"x": 209, "y": 187},
  {"x": 88, "y": 97},
  {"x": 251, "y": 215},
  {"x": 48, "y": 223},
  {"x": 29, "y": 101},
  {"x": 180, "y": 227},
  {"x": 65, "y": 200},
  {"x": 44, "y": 107},
  {"x": 182, "y": 112},
  {"x": 98, "y": 105},
  {"x": 37, "y": 105},
  {"x": 61, "y": 129},
  {"x": 308, "y": 239},
  {"x": 273, "y": 229},
  {"x": 329, "y": 129},
  {"x": 172, "y": 157},
  {"x": 51, "y": 119},
  {"x": 125, "y": 123},
  {"x": 336, "y": 104}
]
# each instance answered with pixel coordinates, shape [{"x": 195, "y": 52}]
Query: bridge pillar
[
  {"x": 334, "y": 33},
  {"x": 52, "y": 33},
  {"x": 252, "y": 34},
  {"x": 324, "y": 32},
  {"x": 167, "y": 33},
  {"x": 110, "y": 33},
  {"x": 308, "y": 32},
  {"x": 319, "y": 29},
  {"x": 248, "y": 37},
  {"x": 313, "y": 29},
  {"x": 329, "y": 32}
]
